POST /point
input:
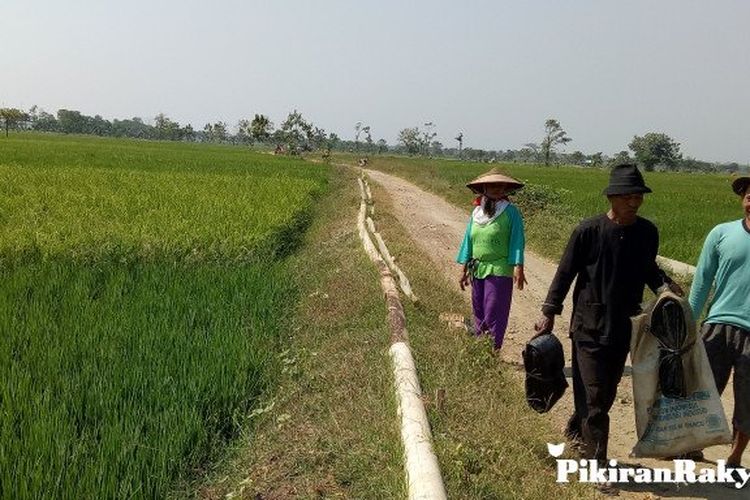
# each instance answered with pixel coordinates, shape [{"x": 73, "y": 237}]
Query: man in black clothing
[{"x": 613, "y": 256}]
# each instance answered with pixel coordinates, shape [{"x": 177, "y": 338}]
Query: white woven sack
[{"x": 666, "y": 426}]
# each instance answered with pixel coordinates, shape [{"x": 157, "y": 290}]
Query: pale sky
[{"x": 496, "y": 70}]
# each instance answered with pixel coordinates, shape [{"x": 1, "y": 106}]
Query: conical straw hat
[{"x": 494, "y": 176}]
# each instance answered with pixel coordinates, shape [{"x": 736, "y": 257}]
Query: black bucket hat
[
  {"x": 625, "y": 178},
  {"x": 739, "y": 185}
]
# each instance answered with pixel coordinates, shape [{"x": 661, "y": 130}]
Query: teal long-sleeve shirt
[
  {"x": 725, "y": 261},
  {"x": 516, "y": 242}
]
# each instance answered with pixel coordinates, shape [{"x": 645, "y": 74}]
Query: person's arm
[
  {"x": 464, "y": 253},
  {"x": 464, "y": 256},
  {"x": 705, "y": 273},
  {"x": 517, "y": 237},
  {"x": 465, "y": 279},
  {"x": 569, "y": 266},
  {"x": 567, "y": 270},
  {"x": 516, "y": 246}
]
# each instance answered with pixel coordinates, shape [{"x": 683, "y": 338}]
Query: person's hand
[
  {"x": 464, "y": 281},
  {"x": 544, "y": 326},
  {"x": 519, "y": 278},
  {"x": 676, "y": 289}
]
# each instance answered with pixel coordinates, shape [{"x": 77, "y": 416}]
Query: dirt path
[{"x": 438, "y": 228}]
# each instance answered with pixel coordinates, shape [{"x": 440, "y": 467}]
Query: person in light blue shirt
[{"x": 725, "y": 263}]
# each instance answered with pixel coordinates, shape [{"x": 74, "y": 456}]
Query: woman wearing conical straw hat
[{"x": 492, "y": 253}]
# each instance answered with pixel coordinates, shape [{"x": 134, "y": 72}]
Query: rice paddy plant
[
  {"x": 118, "y": 376},
  {"x": 141, "y": 307},
  {"x": 219, "y": 208}
]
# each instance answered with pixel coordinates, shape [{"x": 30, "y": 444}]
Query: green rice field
[
  {"x": 683, "y": 206},
  {"x": 143, "y": 291}
]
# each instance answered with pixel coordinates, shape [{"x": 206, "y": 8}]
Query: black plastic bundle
[
  {"x": 544, "y": 362},
  {"x": 669, "y": 328}
]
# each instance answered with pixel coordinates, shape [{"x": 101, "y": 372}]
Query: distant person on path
[
  {"x": 492, "y": 253},
  {"x": 725, "y": 262},
  {"x": 612, "y": 256}
]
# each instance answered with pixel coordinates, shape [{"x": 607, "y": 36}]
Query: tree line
[
  {"x": 652, "y": 151},
  {"x": 296, "y": 134}
]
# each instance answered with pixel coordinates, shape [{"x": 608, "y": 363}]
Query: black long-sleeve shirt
[{"x": 613, "y": 263}]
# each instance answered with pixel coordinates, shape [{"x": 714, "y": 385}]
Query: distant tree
[
  {"x": 12, "y": 118},
  {"x": 411, "y": 139},
  {"x": 655, "y": 149},
  {"x": 317, "y": 138},
  {"x": 428, "y": 135},
  {"x": 357, "y": 130},
  {"x": 460, "y": 139},
  {"x": 333, "y": 141},
  {"x": 596, "y": 159},
  {"x": 693, "y": 165},
  {"x": 41, "y": 120},
  {"x": 437, "y": 148},
  {"x": 71, "y": 121},
  {"x": 46, "y": 121},
  {"x": 554, "y": 135},
  {"x": 476, "y": 154},
  {"x": 382, "y": 146},
  {"x": 166, "y": 129},
  {"x": 577, "y": 158},
  {"x": 261, "y": 128},
  {"x": 188, "y": 133},
  {"x": 244, "y": 132},
  {"x": 368, "y": 137},
  {"x": 208, "y": 132},
  {"x": 621, "y": 157},
  {"x": 99, "y": 126},
  {"x": 133, "y": 128},
  {"x": 215, "y": 132},
  {"x": 295, "y": 132},
  {"x": 529, "y": 152},
  {"x": 33, "y": 115},
  {"x": 161, "y": 124},
  {"x": 220, "y": 131}
]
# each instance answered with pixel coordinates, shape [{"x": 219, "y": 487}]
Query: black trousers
[{"x": 597, "y": 370}]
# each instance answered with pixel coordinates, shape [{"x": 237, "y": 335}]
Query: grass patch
[{"x": 331, "y": 430}]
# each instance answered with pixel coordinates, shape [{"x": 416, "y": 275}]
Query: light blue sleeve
[
  {"x": 464, "y": 254},
  {"x": 705, "y": 272},
  {"x": 517, "y": 237}
]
